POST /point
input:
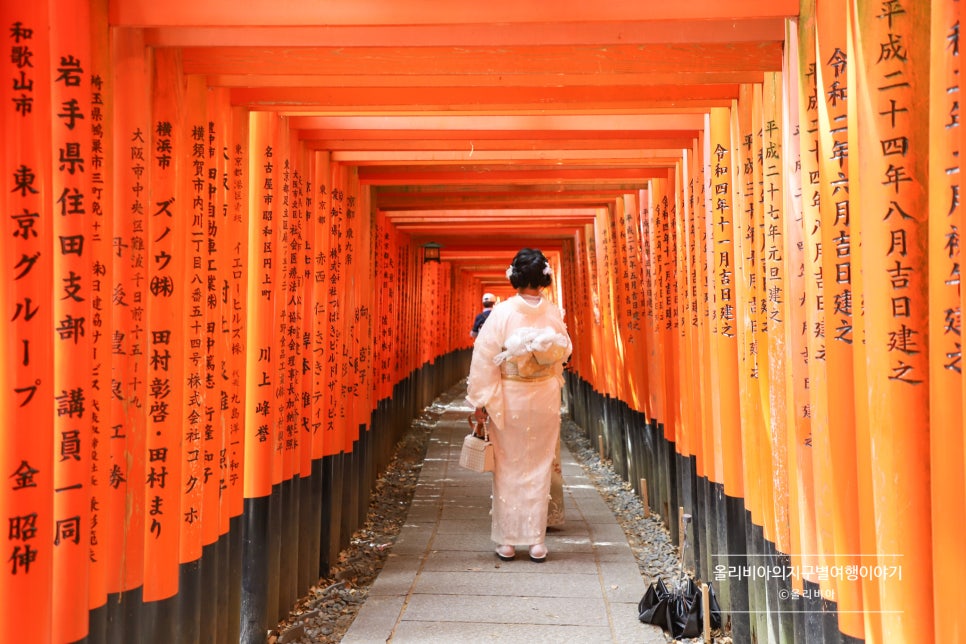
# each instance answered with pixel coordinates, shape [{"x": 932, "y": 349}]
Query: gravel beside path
[{"x": 326, "y": 612}]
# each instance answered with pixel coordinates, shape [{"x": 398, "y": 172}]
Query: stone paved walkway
[{"x": 443, "y": 583}]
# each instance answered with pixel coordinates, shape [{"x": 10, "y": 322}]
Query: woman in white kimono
[{"x": 515, "y": 379}]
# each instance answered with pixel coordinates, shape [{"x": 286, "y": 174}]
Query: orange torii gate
[{"x": 218, "y": 319}]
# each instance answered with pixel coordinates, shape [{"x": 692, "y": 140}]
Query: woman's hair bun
[{"x": 530, "y": 269}]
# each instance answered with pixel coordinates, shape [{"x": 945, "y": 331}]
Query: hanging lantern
[{"x": 431, "y": 252}]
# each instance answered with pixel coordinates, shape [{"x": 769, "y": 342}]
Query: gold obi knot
[{"x": 529, "y": 371}]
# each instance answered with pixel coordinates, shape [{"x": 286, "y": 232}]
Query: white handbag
[{"x": 477, "y": 453}]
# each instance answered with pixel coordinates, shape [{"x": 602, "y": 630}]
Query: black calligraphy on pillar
[
  {"x": 22, "y": 529},
  {"x": 285, "y": 405},
  {"x": 100, "y": 311},
  {"x": 747, "y": 226},
  {"x": 894, "y": 93},
  {"x": 26, "y": 244},
  {"x": 22, "y": 55},
  {"x": 235, "y": 180},
  {"x": 333, "y": 299},
  {"x": 724, "y": 266},
  {"x": 838, "y": 217},
  {"x": 952, "y": 328}
]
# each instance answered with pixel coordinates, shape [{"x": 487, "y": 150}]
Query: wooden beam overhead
[
  {"x": 480, "y": 125},
  {"x": 568, "y": 214},
  {"x": 548, "y": 121},
  {"x": 489, "y": 197},
  {"x": 510, "y": 62},
  {"x": 255, "y": 13},
  {"x": 559, "y": 157},
  {"x": 485, "y": 174},
  {"x": 626, "y": 95},
  {"x": 586, "y": 32}
]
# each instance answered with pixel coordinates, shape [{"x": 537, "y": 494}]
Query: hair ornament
[
  {"x": 509, "y": 272},
  {"x": 547, "y": 270}
]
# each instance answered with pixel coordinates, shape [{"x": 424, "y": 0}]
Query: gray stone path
[{"x": 443, "y": 583}]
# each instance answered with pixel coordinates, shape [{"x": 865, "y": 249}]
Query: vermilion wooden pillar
[
  {"x": 946, "y": 434},
  {"x": 724, "y": 350},
  {"x": 27, "y": 507},
  {"x": 706, "y": 258},
  {"x": 774, "y": 301},
  {"x": 838, "y": 306},
  {"x": 598, "y": 284},
  {"x": 654, "y": 252},
  {"x": 73, "y": 297},
  {"x": 237, "y": 259},
  {"x": 165, "y": 248},
  {"x": 743, "y": 279},
  {"x": 698, "y": 290},
  {"x": 635, "y": 337},
  {"x": 336, "y": 359},
  {"x": 357, "y": 337},
  {"x": 320, "y": 308},
  {"x": 588, "y": 258},
  {"x": 801, "y": 505},
  {"x": 281, "y": 393},
  {"x": 669, "y": 313},
  {"x": 194, "y": 426},
  {"x": 746, "y": 285},
  {"x": 100, "y": 243},
  {"x": 891, "y": 60},
  {"x": 216, "y": 563},
  {"x": 701, "y": 307},
  {"x": 288, "y": 399},
  {"x": 239, "y": 213},
  {"x": 258, "y": 601},
  {"x": 816, "y": 481},
  {"x": 311, "y": 481},
  {"x": 961, "y": 139},
  {"x": 572, "y": 286},
  {"x": 721, "y": 259},
  {"x": 616, "y": 253},
  {"x": 126, "y": 439},
  {"x": 865, "y": 459},
  {"x": 261, "y": 414},
  {"x": 689, "y": 386}
]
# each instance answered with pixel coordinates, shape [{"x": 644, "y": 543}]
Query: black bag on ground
[
  {"x": 678, "y": 612},
  {"x": 654, "y": 607}
]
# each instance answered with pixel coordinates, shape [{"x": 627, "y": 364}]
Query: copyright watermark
[
  {"x": 821, "y": 573},
  {"x": 806, "y": 593}
]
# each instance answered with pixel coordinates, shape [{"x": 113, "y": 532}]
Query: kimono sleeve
[{"x": 483, "y": 383}]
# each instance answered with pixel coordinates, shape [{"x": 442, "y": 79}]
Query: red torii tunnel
[{"x": 217, "y": 317}]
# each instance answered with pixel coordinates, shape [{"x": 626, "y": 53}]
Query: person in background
[
  {"x": 515, "y": 380},
  {"x": 488, "y": 301}
]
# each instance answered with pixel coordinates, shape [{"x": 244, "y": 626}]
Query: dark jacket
[{"x": 478, "y": 322}]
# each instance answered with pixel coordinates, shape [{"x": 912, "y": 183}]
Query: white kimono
[{"x": 516, "y": 373}]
